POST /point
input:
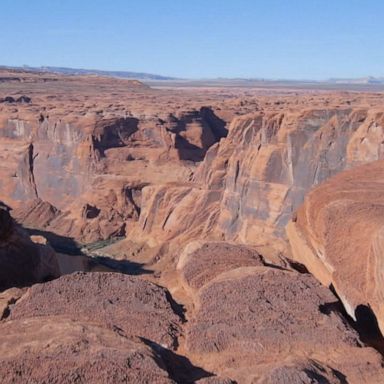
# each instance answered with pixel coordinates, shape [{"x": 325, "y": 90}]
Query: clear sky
[{"x": 298, "y": 39}]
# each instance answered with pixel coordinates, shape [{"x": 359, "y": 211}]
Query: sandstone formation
[
  {"x": 134, "y": 306},
  {"x": 66, "y": 154},
  {"x": 190, "y": 190},
  {"x": 88, "y": 328},
  {"x": 118, "y": 163},
  {"x": 252, "y": 323},
  {"x": 96, "y": 328},
  {"x": 251, "y": 183},
  {"x": 201, "y": 261},
  {"x": 74, "y": 352},
  {"x": 258, "y": 322},
  {"x": 337, "y": 235},
  {"x": 23, "y": 260}
]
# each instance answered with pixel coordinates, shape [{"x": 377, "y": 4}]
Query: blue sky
[{"x": 298, "y": 39}]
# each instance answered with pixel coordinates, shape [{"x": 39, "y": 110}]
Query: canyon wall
[
  {"x": 175, "y": 177},
  {"x": 251, "y": 183},
  {"x": 200, "y": 206},
  {"x": 83, "y": 178}
]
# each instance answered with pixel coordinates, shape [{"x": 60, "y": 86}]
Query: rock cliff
[
  {"x": 191, "y": 191},
  {"x": 24, "y": 260},
  {"x": 250, "y": 184},
  {"x": 337, "y": 235}
]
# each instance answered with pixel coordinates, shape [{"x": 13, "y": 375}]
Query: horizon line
[{"x": 52, "y": 68}]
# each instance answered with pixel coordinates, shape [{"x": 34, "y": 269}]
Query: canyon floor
[{"x": 189, "y": 234}]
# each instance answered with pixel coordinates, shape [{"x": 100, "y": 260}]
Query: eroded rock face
[
  {"x": 272, "y": 160},
  {"x": 132, "y": 153},
  {"x": 108, "y": 159},
  {"x": 252, "y": 320},
  {"x": 36, "y": 211},
  {"x": 250, "y": 184},
  {"x": 23, "y": 261},
  {"x": 95, "y": 159},
  {"x": 338, "y": 236}
]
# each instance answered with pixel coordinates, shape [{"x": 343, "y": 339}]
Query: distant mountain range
[
  {"x": 362, "y": 80},
  {"x": 369, "y": 80},
  {"x": 78, "y": 71}
]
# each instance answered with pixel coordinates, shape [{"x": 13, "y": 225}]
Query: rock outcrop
[
  {"x": 338, "y": 235},
  {"x": 200, "y": 262},
  {"x": 23, "y": 260},
  {"x": 259, "y": 322},
  {"x": 67, "y": 352},
  {"x": 255, "y": 324},
  {"x": 132, "y": 305},
  {"x": 99, "y": 328}
]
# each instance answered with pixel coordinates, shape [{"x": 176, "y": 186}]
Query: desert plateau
[
  {"x": 191, "y": 192},
  {"x": 189, "y": 234}
]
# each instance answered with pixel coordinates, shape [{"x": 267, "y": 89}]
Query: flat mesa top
[{"x": 74, "y": 97}]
